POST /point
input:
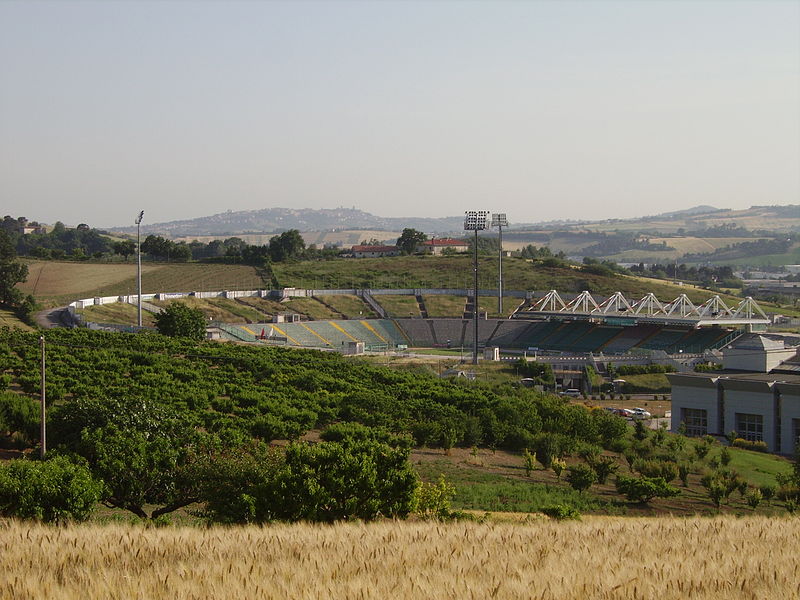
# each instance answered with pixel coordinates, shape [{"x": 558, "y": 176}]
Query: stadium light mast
[
  {"x": 499, "y": 220},
  {"x": 475, "y": 220},
  {"x": 139, "y": 268}
]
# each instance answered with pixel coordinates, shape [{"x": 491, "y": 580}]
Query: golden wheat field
[{"x": 598, "y": 558}]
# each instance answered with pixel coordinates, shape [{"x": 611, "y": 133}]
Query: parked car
[
  {"x": 626, "y": 412},
  {"x": 640, "y": 413},
  {"x": 572, "y": 393}
]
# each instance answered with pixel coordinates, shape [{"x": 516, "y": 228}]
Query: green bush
[
  {"x": 432, "y": 500},
  {"x": 322, "y": 483},
  {"x": 55, "y": 490},
  {"x": 562, "y": 512},
  {"x": 581, "y": 477},
  {"x": 644, "y": 489},
  {"x": 757, "y": 446}
]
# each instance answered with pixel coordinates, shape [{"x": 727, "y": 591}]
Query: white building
[{"x": 756, "y": 395}]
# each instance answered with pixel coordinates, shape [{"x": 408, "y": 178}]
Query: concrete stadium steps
[
  {"x": 595, "y": 339},
  {"x": 628, "y": 338},
  {"x": 485, "y": 330},
  {"x": 537, "y": 333},
  {"x": 449, "y": 329},
  {"x": 698, "y": 340},
  {"x": 418, "y": 331},
  {"x": 564, "y": 337},
  {"x": 388, "y": 331},
  {"x": 506, "y": 333},
  {"x": 663, "y": 339}
]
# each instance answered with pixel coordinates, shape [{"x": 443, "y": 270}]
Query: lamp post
[
  {"x": 499, "y": 220},
  {"x": 475, "y": 220},
  {"x": 139, "y": 269}
]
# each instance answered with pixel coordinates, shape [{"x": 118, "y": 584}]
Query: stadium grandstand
[{"x": 546, "y": 323}]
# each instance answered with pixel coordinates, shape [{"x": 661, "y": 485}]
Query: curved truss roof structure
[{"x": 649, "y": 309}]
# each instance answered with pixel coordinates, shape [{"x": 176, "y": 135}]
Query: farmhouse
[
  {"x": 375, "y": 251},
  {"x": 756, "y": 394},
  {"x": 437, "y": 246}
]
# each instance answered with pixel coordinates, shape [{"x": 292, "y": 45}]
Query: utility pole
[
  {"x": 139, "y": 268},
  {"x": 475, "y": 220},
  {"x": 499, "y": 220},
  {"x": 43, "y": 430}
]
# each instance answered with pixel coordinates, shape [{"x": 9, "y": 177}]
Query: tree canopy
[
  {"x": 408, "y": 240},
  {"x": 180, "y": 320}
]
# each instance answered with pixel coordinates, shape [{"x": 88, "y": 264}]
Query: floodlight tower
[
  {"x": 139, "y": 268},
  {"x": 475, "y": 220},
  {"x": 499, "y": 220}
]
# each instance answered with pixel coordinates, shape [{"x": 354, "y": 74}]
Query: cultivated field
[
  {"x": 53, "y": 283},
  {"x": 598, "y": 558}
]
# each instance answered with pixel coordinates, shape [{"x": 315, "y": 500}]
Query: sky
[{"x": 543, "y": 110}]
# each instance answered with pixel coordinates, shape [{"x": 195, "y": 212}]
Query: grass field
[
  {"x": 444, "y": 306},
  {"x": 398, "y": 306},
  {"x": 352, "y": 307},
  {"x": 118, "y": 313},
  {"x": 53, "y": 283},
  {"x": 311, "y": 307},
  {"x": 9, "y": 319},
  {"x": 598, "y": 558}
]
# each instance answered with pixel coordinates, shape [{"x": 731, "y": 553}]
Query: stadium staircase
[
  {"x": 423, "y": 311},
  {"x": 373, "y": 304}
]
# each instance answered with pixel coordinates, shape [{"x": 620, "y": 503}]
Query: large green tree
[
  {"x": 141, "y": 450},
  {"x": 408, "y": 240},
  {"x": 11, "y": 273},
  {"x": 289, "y": 244},
  {"x": 180, "y": 320}
]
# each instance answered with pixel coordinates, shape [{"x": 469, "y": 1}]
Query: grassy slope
[
  {"x": 9, "y": 319},
  {"x": 119, "y": 313},
  {"x": 54, "y": 283},
  {"x": 350, "y": 306}
]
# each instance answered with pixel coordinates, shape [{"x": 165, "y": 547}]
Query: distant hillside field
[
  {"x": 603, "y": 558},
  {"x": 53, "y": 283}
]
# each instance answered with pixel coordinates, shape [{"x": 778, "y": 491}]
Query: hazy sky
[{"x": 542, "y": 109}]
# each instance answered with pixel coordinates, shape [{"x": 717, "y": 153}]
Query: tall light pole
[
  {"x": 475, "y": 220},
  {"x": 499, "y": 220},
  {"x": 139, "y": 268}
]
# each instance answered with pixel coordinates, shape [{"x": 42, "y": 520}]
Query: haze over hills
[
  {"x": 269, "y": 220},
  {"x": 272, "y": 220}
]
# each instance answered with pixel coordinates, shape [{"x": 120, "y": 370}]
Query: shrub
[
  {"x": 683, "y": 473},
  {"x": 725, "y": 456},
  {"x": 604, "y": 467},
  {"x": 55, "y": 490},
  {"x": 558, "y": 465},
  {"x": 767, "y": 492},
  {"x": 562, "y": 512},
  {"x": 701, "y": 449},
  {"x": 754, "y": 498},
  {"x": 757, "y": 446},
  {"x": 432, "y": 500},
  {"x": 181, "y": 320},
  {"x": 644, "y": 489},
  {"x": 530, "y": 462},
  {"x": 581, "y": 477}
]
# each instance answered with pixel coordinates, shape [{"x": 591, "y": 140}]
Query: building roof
[
  {"x": 444, "y": 242},
  {"x": 374, "y": 249},
  {"x": 757, "y": 342}
]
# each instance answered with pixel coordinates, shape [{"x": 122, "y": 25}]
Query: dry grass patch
[
  {"x": 599, "y": 558},
  {"x": 118, "y": 313},
  {"x": 398, "y": 306}
]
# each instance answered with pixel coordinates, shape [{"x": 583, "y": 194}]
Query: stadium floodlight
[
  {"x": 475, "y": 220},
  {"x": 499, "y": 220},
  {"x": 139, "y": 268}
]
